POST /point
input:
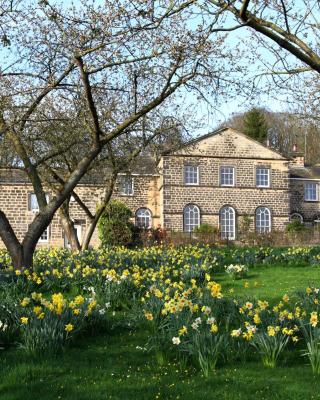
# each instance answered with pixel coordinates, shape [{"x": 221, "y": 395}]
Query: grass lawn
[
  {"x": 271, "y": 282},
  {"x": 113, "y": 366}
]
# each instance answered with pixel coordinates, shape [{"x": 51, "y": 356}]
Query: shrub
[
  {"x": 206, "y": 228},
  {"x": 115, "y": 227},
  {"x": 295, "y": 226}
]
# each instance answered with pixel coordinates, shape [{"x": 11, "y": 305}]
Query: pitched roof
[
  {"x": 143, "y": 165},
  {"x": 312, "y": 172},
  {"x": 217, "y": 132}
]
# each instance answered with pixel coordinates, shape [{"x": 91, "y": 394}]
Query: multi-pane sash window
[
  {"x": 263, "y": 177},
  {"x": 191, "y": 217},
  {"x": 227, "y": 176},
  {"x": 126, "y": 183},
  {"x": 191, "y": 175},
  {"x": 143, "y": 218},
  {"x": 33, "y": 202},
  {"x": 263, "y": 220},
  {"x": 227, "y": 223},
  {"x": 45, "y": 236},
  {"x": 311, "y": 191}
]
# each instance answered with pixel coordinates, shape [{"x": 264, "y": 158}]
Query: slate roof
[
  {"x": 143, "y": 166},
  {"x": 312, "y": 172}
]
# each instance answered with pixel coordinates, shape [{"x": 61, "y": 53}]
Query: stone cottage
[{"x": 219, "y": 179}]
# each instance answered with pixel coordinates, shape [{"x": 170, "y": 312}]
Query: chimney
[{"x": 297, "y": 157}]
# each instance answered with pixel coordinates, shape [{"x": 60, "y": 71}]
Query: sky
[{"x": 222, "y": 110}]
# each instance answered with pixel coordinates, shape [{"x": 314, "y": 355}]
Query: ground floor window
[
  {"x": 45, "y": 236},
  {"x": 296, "y": 216},
  {"x": 263, "y": 220},
  {"x": 143, "y": 218},
  {"x": 191, "y": 217},
  {"x": 78, "y": 229},
  {"x": 228, "y": 223}
]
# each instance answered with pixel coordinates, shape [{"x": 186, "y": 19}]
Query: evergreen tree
[{"x": 255, "y": 125}]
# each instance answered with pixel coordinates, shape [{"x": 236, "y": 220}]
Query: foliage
[
  {"x": 206, "y": 228},
  {"x": 255, "y": 125},
  {"x": 115, "y": 227},
  {"x": 295, "y": 226}
]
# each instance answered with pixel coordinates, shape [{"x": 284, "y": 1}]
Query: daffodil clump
[{"x": 48, "y": 322}]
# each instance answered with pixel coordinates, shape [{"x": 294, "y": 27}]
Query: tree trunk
[
  {"x": 93, "y": 223},
  {"x": 68, "y": 227},
  {"x": 91, "y": 228}
]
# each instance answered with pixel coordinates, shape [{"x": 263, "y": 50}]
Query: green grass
[
  {"x": 112, "y": 366},
  {"x": 271, "y": 282}
]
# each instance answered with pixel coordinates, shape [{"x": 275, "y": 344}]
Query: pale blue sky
[{"x": 225, "y": 108}]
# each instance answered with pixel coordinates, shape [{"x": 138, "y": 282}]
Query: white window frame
[
  {"x": 223, "y": 173},
  {"x": 147, "y": 216},
  {"x": 259, "y": 185},
  {"x": 266, "y": 228},
  {"x": 78, "y": 228},
  {"x": 47, "y": 232},
  {"x": 191, "y": 217},
  {"x": 296, "y": 215},
  {"x": 187, "y": 173},
  {"x": 124, "y": 185},
  {"x": 306, "y": 191},
  {"x": 33, "y": 195},
  {"x": 226, "y": 222}
]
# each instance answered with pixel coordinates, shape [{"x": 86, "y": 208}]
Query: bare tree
[{"x": 103, "y": 68}]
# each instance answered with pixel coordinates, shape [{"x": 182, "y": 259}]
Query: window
[
  {"x": 126, "y": 186},
  {"x": 228, "y": 223},
  {"x": 191, "y": 175},
  {"x": 263, "y": 177},
  {"x": 263, "y": 220},
  {"x": 296, "y": 216},
  {"x": 311, "y": 191},
  {"x": 45, "y": 236},
  {"x": 227, "y": 176},
  {"x": 78, "y": 229},
  {"x": 191, "y": 217},
  {"x": 143, "y": 218},
  {"x": 33, "y": 202}
]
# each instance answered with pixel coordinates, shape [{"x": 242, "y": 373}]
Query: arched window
[
  {"x": 143, "y": 218},
  {"x": 227, "y": 223},
  {"x": 263, "y": 220},
  {"x": 191, "y": 217},
  {"x": 297, "y": 216}
]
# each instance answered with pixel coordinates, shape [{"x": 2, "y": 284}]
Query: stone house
[{"x": 220, "y": 179}]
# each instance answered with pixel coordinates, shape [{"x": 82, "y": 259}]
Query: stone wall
[
  {"x": 14, "y": 203},
  {"x": 308, "y": 209},
  {"x": 227, "y": 148}
]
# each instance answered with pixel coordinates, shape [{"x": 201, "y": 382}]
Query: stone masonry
[{"x": 165, "y": 193}]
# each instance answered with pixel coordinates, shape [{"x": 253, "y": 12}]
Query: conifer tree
[{"x": 255, "y": 125}]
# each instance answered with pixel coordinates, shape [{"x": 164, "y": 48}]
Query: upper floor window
[
  {"x": 191, "y": 175},
  {"x": 126, "y": 185},
  {"x": 33, "y": 202},
  {"x": 191, "y": 217},
  {"x": 263, "y": 177},
  {"x": 143, "y": 218},
  {"x": 263, "y": 220},
  {"x": 227, "y": 176},
  {"x": 311, "y": 191}
]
